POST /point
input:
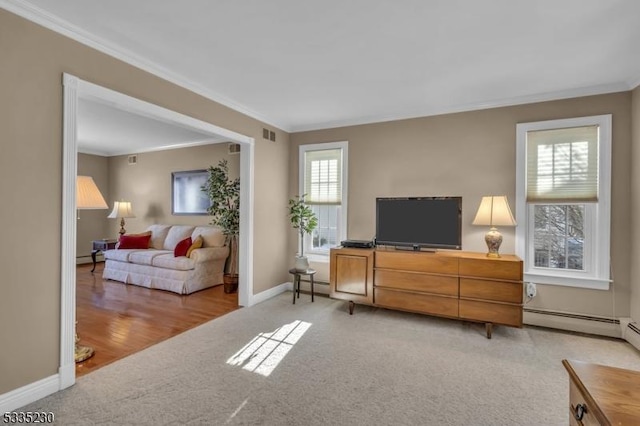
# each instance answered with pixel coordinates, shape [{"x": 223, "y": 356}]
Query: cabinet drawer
[
  {"x": 576, "y": 398},
  {"x": 491, "y": 268},
  {"x": 500, "y": 291},
  {"x": 491, "y": 312},
  {"x": 422, "y": 303},
  {"x": 436, "y": 284},
  {"x": 418, "y": 262}
]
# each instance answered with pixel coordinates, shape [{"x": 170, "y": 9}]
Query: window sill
[
  {"x": 587, "y": 283},
  {"x": 318, "y": 257}
]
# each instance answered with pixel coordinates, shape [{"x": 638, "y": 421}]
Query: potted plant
[
  {"x": 224, "y": 194},
  {"x": 305, "y": 221}
]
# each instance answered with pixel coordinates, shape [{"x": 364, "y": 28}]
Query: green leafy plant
[
  {"x": 302, "y": 218},
  {"x": 224, "y": 194}
]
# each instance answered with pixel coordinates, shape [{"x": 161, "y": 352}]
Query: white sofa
[{"x": 158, "y": 268}]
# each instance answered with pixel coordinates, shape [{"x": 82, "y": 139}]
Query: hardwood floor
[{"x": 118, "y": 320}]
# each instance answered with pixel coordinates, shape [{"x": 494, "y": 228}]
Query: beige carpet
[{"x": 313, "y": 364}]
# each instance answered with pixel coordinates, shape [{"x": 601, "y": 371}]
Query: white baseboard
[
  {"x": 32, "y": 392},
  {"x": 573, "y": 322},
  {"x": 272, "y": 292}
]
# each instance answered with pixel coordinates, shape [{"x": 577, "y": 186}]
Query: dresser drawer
[
  {"x": 499, "y": 291},
  {"x": 576, "y": 399},
  {"x": 435, "y": 284},
  {"x": 415, "y": 302},
  {"x": 496, "y": 313},
  {"x": 416, "y": 261},
  {"x": 491, "y": 268}
]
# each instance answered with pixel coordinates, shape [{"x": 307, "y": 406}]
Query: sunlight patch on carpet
[{"x": 263, "y": 354}]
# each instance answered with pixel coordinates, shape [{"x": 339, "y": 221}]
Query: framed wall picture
[{"x": 187, "y": 197}]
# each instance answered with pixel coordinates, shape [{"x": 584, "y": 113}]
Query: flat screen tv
[{"x": 419, "y": 222}]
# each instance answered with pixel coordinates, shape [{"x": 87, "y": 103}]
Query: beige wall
[
  {"x": 33, "y": 61},
  {"x": 635, "y": 208},
  {"x": 472, "y": 154},
  {"x": 92, "y": 224},
  {"x": 147, "y": 184}
]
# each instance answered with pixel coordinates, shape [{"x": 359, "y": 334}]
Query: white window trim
[
  {"x": 596, "y": 276},
  {"x": 344, "y": 145}
]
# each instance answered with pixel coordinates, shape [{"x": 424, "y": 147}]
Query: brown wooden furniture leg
[
  {"x": 311, "y": 276},
  {"x": 489, "y": 327},
  {"x": 93, "y": 257},
  {"x": 351, "y": 306},
  {"x": 295, "y": 278}
]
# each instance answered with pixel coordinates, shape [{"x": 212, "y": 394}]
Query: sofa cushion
[
  {"x": 196, "y": 244},
  {"x": 176, "y": 234},
  {"x": 182, "y": 248},
  {"x": 212, "y": 236},
  {"x": 134, "y": 242},
  {"x": 145, "y": 257},
  {"x": 121, "y": 255},
  {"x": 169, "y": 261},
  {"x": 158, "y": 235}
]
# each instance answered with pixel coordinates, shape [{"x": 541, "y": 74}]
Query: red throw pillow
[
  {"x": 182, "y": 247},
  {"x": 134, "y": 241}
]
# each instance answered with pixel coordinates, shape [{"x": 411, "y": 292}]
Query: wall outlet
[{"x": 530, "y": 289}]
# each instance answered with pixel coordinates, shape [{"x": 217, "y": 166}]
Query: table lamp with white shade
[
  {"x": 121, "y": 210},
  {"x": 494, "y": 211}
]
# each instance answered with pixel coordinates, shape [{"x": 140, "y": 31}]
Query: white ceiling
[
  {"x": 302, "y": 65},
  {"x": 108, "y": 130}
]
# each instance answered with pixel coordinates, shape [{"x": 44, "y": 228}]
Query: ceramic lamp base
[{"x": 493, "y": 238}]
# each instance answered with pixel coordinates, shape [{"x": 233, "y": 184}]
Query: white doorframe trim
[{"x": 75, "y": 88}]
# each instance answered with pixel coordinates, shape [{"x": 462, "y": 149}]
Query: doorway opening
[{"x": 75, "y": 89}]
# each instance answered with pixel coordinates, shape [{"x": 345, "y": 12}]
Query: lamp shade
[
  {"x": 121, "y": 209},
  {"x": 494, "y": 211},
  {"x": 88, "y": 195}
]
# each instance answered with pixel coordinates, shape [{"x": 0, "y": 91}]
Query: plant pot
[
  {"x": 230, "y": 283},
  {"x": 302, "y": 263}
]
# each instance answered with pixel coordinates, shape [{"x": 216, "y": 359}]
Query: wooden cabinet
[
  {"x": 462, "y": 285},
  {"x": 602, "y": 395},
  {"x": 351, "y": 275}
]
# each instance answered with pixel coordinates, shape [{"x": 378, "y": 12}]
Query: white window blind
[
  {"x": 562, "y": 165},
  {"x": 323, "y": 176}
]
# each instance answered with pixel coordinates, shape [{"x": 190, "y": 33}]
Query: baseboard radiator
[
  {"x": 319, "y": 287},
  {"x": 581, "y": 323},
  {"x": 631, "y": 333}
]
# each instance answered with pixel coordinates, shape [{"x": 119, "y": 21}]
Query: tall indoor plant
[
  {"x": 224, "y": 194},
  {"x": 305, "y": 221}
]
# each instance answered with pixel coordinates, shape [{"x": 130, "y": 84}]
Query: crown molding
[
  {"x": 60, "y": 26},
  {"x": 518, "y": 100}
]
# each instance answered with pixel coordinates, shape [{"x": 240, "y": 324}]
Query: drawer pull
[{"x": 579, "y": 411}]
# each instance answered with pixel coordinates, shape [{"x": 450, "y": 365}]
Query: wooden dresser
[
  {"x": 601, "y": 395},
  {"x": 462, "y": 285}
]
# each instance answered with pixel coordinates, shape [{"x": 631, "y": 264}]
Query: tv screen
[{"x": 419, "y": 222}]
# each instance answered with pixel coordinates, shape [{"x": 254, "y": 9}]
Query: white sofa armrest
[{"x": 209, "y": 253}]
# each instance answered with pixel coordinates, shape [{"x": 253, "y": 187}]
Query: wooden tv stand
[{"x": 454, "y": 284}]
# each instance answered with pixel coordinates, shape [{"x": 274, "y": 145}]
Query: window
[
  {"x": 563, "y": 201},
  {"x": 323, "y": 178}
]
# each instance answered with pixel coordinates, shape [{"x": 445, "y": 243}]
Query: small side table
[
  {"x": 101, "y": 245},
  {"x": 296, "y": 280}
]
